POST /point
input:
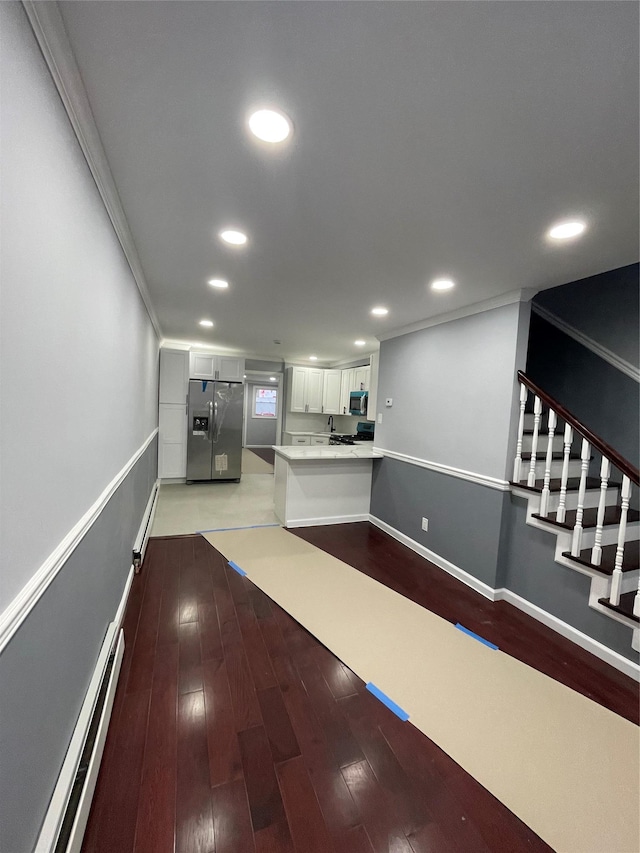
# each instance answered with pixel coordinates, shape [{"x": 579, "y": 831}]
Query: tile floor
[{"x": 206, "y": 506}]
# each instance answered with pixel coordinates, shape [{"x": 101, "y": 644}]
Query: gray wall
[
  {"x": 453, "y": 387},
  {"x": 606, "y": 400},
  {"x": 447, "y": 383},
  {"x": 605, "y": 307},
  {"x": 260, "y": 431},
  {"x": 527, "y": 567},
  {"x": 78, "y": 362},
  {"x": 46, "y": 668},
  {"x": 464, "y": 517},
  {"x": 454, "y": 402}
]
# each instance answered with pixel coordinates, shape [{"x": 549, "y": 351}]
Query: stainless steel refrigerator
[{"x": 214, "y": 441}]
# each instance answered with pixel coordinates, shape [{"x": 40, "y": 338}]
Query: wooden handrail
[{"x": 622, "y": 464}]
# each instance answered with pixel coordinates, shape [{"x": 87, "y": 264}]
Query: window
[{"x": 265, "y": 403}]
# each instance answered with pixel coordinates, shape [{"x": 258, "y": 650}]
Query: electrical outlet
[
  {"x": 425, "y": 523},
  {"x": 388, "y": 402}
]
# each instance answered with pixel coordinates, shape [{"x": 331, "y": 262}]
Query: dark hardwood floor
[{"x": 234, "y": 730}]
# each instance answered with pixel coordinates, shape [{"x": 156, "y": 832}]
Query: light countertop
[
  {"x": 329, "y": 453},
  {"x": 307, "y": 432}
]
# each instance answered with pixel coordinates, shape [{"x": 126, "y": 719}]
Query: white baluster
[
  {"x": 636, "y": 601},
  {"x": 518, "y": 460},
  {"x": 576, "y": 542},
  {"x": 616, "y": 579},
  {"x": 537, "y": 411},
  {"x": 568, "y": 441},
  {"x": 596, "y": 552},
  {"x": 544, "y": 500}
]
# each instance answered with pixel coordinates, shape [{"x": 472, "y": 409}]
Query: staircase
[{"x": 597, "y": 532}]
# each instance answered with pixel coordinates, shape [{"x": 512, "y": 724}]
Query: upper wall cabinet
[
  {"x": 174, "y": 374},
  {"x": 361, "y": 376},
  {"x": 331, "y": 392},
  {"x": 208, "y": 366},
  {"x": 305, "y": 389}
]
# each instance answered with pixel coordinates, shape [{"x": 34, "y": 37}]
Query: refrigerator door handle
[
  {"x": 210, "y": 404},
  {"x": 215, "y": 421}
]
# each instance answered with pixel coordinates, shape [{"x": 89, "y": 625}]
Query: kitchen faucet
[{"x": 330, "y": 423}]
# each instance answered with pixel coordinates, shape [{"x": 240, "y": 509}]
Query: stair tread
[
  {"x": 573, "y": 484},
  {"x": 625, "y": 607},
  {"x": 589, "y": 518},
  {"x": 630, "y": 563},
  {"x": 555, "y": 456}
]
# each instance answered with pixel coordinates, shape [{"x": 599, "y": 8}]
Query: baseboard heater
[
  {"x": 68, "y": 812},
  {"x": 140, "y": 544}
]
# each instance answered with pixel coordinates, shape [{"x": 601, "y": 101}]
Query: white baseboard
[
  {"x": 621, "y": 663},
  {"x": 47, "y": 841},
  {"x": 336, "y": 519},
  {"x": 142, "y": 539},
  {"x": 440, "y": 562},
  {"x": 628, "y": 667},
  {"x": 84, "y": 805}
]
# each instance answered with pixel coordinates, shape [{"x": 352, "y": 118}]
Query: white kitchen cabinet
[
  {"x": 315, "y": 387},
  {"x": 203, "y": 365},
  {"x": 345, "y": 390},
  {"x": 172, "y": 441},
  {"x": 331, "y": 392},
  {"x": 319, "y": 440},
  {"x": 172, "y": 414},
  {"x": 361, "y": 378},
  {"x": 301, "y": 440},
  {"x": 373, "y": 387},
  {"x": 353, "y": 379},
  {"x": 230, "y": 368},
  {"x": 305, "y": 389},
  {"x": 174, "y": 376}
]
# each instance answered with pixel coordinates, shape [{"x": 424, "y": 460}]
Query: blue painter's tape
[
  {"x": 237, "y": 568},
  {"x": 397, "y": 710},
  {"x": 476, "y": 636},
  {"x": 204, "y": 385}
]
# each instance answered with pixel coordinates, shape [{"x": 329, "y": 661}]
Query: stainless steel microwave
[{"x": 358, "y": 403}]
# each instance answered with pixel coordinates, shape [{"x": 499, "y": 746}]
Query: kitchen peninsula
[{"x": 323, "y": 485}]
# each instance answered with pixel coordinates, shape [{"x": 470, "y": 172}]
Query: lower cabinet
[
  {"x": 304, "y": 440},
  {"x": 172, "y": 441}
]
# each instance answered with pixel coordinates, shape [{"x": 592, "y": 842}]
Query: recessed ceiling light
[
  {"x": 313, "y": 358},
  {"x": 359, "y": 343},
  {"x": 272, "y": 379},
  {"x": 207, "y": 323},
  {"x": 269, "y": 125},
  {"x": 218, "y": 282},
  {"x": 236, "y": 238},
  {"x": 566, "y": 230},
  {"x": 442, "y": 284},
  {"x": 379, "y": 311}
]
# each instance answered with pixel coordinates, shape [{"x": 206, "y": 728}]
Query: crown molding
[
  {"x": 51, "y": 35},
  {"x": 615, "y": 360},
  {"x": 524, "y": 295}
]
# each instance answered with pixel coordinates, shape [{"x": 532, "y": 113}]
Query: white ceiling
[{"x": 431, "y": 138}]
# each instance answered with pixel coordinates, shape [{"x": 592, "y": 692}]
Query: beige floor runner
[
  {"x": 568, "y": 767},
  {"x": 253, "y": 464}
]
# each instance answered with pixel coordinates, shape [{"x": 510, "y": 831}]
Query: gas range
[{"x": 364, "y": 433}]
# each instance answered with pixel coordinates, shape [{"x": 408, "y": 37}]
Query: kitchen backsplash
[{"x": 295, "y": 422}]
